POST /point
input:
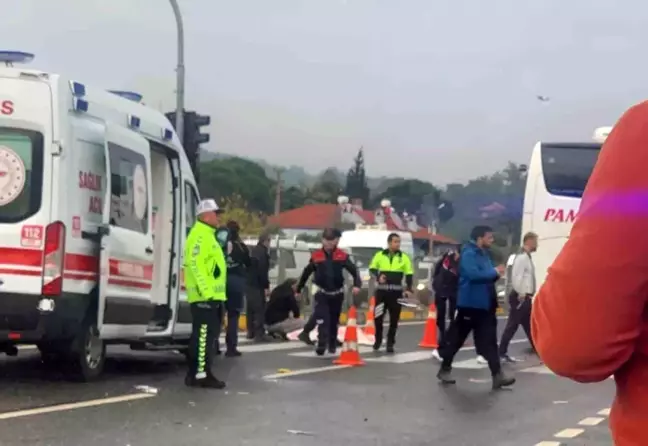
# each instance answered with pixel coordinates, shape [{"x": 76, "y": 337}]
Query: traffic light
[
  {"x": 193, "y": 123},
  {"x": 192, "y": 136}
]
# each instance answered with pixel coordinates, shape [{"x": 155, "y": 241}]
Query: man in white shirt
[{"x": 523, "y": 287}]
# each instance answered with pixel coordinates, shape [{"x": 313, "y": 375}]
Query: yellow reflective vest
[{"x": 205, "y": 267}]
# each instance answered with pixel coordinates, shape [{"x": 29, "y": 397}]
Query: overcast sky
[{"x": 441, "y": 90}]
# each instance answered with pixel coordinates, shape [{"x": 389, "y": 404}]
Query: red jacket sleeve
[{"x": 589, "y": 313}]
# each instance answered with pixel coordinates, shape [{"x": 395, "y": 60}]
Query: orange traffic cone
[
  {"x": 429, "y": 339},
  {"x": 370, "y": 325},
  {"x": 350, "y": 355}
]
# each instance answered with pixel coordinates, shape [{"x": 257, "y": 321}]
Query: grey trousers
[{"x": 286, "y": 326}]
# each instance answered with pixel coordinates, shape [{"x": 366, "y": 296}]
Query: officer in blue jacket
[{"x": 476, "y": 309}]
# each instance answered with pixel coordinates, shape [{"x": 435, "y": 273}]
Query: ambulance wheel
[{"x": 89, "y": 354}]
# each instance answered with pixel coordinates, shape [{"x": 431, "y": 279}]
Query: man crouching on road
[
  {"x": 205, "y": 271},
  {"x": 282, "y": 310}
]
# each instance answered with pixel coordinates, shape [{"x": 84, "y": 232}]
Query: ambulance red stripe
[{"x": 121, "y": 272}]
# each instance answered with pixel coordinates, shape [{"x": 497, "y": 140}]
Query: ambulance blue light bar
[
  {"x": 11, "y": 57},
  {"x": 167, "y": 134},
  {"x": 130, "y": 95},
  {"x": 133, "y": 121},
  {"x": 80, "y": 105},
  {"x": 78, "y": 90}
]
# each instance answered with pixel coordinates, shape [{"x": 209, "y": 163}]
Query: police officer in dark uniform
[
  {"x": 390, "y": 266},
  {"x": 328, "y": 264},
  {"x": 310, "y": 325},
  {"x": 238, "y": 261}
]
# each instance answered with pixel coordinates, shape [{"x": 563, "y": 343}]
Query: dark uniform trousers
[
  {"x": 446, "y": 306},
  {"x": 326, "y": 315},
  {"x": 483, "y": 324},
  {"x": 255, "y": 312},
  {"x": 389, "y": 302},
  {"x": 206, "y": 324},
  {"x": 519, "y": 314}
]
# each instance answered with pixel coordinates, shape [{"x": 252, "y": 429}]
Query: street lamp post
[{"x": 180, "y": 72}]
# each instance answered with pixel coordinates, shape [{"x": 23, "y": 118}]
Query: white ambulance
[{"x": 96, "y": 199}]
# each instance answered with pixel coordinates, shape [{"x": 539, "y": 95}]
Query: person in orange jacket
[{"x": 589, "y": 318}]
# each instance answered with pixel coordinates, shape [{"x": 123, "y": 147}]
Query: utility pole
[
  {"x": 180, "y": 72},
  {"x": 277, "y": 208},
  {"x": 432, "y": 229}
]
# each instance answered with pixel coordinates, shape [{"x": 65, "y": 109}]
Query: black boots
[
  {"x": 210, "y": 382},
  {"x": 500, "y": 380},
  {"x": 305, "y": 338},
  {"x": 445, "y": 376}
]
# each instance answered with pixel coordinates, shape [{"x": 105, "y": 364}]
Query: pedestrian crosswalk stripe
[
  {"x": 591, "y": 421},
  {"x": 469, "y": 364},
  {"x": 569, "y": 433},
  {"x": 311, "y": 352},
  {"x": 544, "y": 370},
  {"x": 540, "y": 370},
  {"x": 403, "y": 358},
  {"x": 271, "y": 347}
]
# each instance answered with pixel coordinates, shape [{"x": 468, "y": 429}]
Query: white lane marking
[
  {"x": 591, "y": 421},
  {"x": 272, "y": 347},
  {"x": 569, "y": 433},
  {"x": 544, "y": 370},
  {"x": 541, "y": 370},
  {"x": 423, "y": 355},
  {"x": 306, "y": 371},
  {"x": 548, "y": 443},
  {"x": 470, "y": 364},
  {"x": 604, "y": 412},
  {"x": 398, "y": 358},
  {"x": 73, "y": 406},
  {"x": 311, "y": 353},
  {"x": 403, "y": 358}
]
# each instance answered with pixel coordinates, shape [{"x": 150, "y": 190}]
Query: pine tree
[{"x": 356, "y": 182}]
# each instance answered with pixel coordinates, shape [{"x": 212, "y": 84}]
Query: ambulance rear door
[
  {"x": 25, "y": 196},
  {"x": 126, "y": 257}
]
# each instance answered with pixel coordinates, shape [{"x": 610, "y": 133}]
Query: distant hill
[
  {"x": 298, "y": 176},
  {"x": 292, "y": 176}
]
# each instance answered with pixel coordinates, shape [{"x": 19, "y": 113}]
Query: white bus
[{"x": 557, "y": 175}]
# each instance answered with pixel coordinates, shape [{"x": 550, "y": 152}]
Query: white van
[
  {"x": 366, "y": 240},
  {"x": 96, "y": 199},
  {"x": 296, "y": 254}
]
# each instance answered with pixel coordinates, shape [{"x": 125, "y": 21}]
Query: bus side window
[{"x": 191, "y": 204}]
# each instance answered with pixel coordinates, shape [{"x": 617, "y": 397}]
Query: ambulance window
[
  {"x": 21, "y": 173},
  {"x": 191, "y": 203},
  {"x": 129, "y": 187}
]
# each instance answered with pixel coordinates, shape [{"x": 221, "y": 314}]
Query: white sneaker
[
  {"x": 481, "y": 360},
  {"x": 436, "y": 355}
]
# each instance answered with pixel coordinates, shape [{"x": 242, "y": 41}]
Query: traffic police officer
[
  {"x": 206, "y": 280},
  {"x": 389, "y": 266},
  {"x": 328, "y": 264}
]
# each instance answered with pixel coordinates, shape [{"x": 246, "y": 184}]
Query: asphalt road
[{"x": 281, "y": 394}]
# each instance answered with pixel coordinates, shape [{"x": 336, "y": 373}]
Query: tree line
[{"x": 251, "y": 194}]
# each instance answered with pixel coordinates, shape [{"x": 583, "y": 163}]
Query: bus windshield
[{"x": 567, "y": 167}]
